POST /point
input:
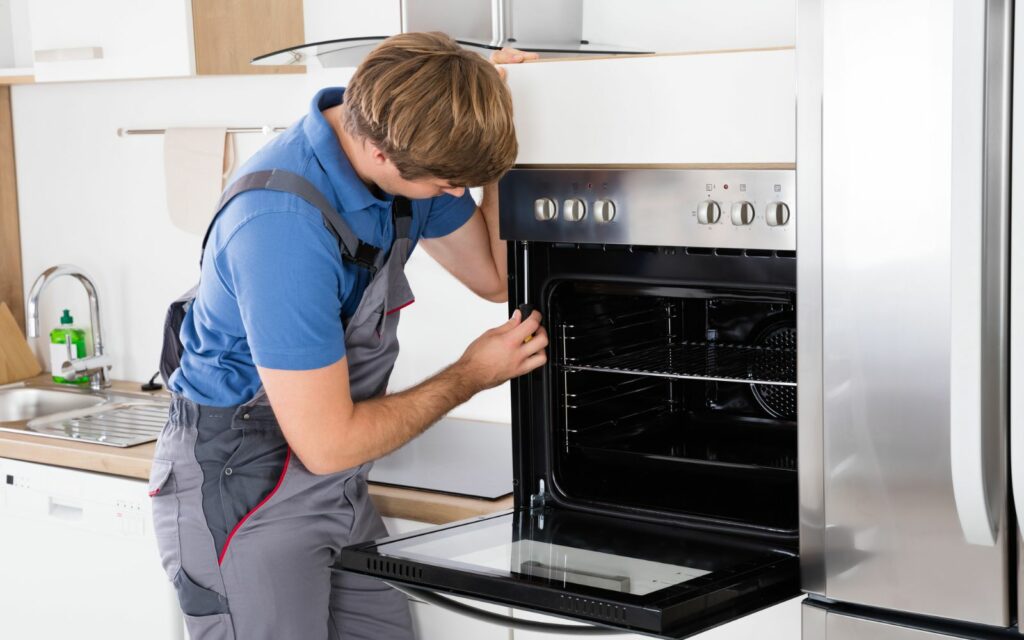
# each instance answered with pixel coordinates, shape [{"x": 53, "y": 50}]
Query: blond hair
[{"x": 434, "y": 109}]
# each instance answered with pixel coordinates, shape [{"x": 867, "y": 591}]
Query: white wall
[{"x": 91, "y": 198}]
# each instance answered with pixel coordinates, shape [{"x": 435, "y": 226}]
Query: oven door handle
[
  {"x": 979, "y": 199},
  {"x": 447, "y": 603}
]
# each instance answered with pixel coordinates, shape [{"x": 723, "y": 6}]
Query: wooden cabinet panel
[
  {"x": 230, "y": 33},
  {"x": 11, "y": 290}
]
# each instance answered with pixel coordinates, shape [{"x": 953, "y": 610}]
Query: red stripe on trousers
[{"x": 280, "y": 480}]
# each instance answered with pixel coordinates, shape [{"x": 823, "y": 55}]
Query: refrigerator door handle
[
  {"x": 978, "y": 261},
  {"x": 518, "y": 624}
]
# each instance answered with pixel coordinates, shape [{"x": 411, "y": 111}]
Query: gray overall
[{"x": 246, "y": 533}]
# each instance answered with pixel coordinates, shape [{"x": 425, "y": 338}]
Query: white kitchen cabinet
[
  {"x": 780, "y": 622},
  {"x": 78, "y": 557},
  {"x": 108, "y": 39},
  {"x": 334, "y": 19},
  {"x": 15, "y": 42},
  {"x": 735, "y": 109}
]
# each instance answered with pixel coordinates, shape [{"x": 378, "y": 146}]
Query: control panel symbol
[
  {"x": 777, "y": 214},
  {"x": 708, "y": 212},
  {"x": 545, "y": 209},
  {"x": 575, "y": 209},
  {"x": 742, "y": 213}
]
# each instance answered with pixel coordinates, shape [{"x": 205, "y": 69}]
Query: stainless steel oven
[{"x": 655, "y": 455}]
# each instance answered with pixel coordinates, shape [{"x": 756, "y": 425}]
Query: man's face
[
  {"x": 387, "y": 177},
  {"x": 418, "y": 189}
]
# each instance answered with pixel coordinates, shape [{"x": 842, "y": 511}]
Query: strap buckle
[{"x": 365, "y": 256}]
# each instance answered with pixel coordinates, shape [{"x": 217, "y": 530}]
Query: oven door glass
[{"x": 655, "y": 578}]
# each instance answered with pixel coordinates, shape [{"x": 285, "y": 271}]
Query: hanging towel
[{"x": 197, "y": 163}]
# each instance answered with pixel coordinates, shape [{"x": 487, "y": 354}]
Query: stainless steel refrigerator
[{"x": 908, "y": 179}]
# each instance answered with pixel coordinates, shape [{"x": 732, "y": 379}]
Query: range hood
[{"x": 553, "y": 28}]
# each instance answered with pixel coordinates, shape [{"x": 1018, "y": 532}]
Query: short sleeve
[
  {"x": 448, "y": 213},
  {"x": 287, "y": 279}
]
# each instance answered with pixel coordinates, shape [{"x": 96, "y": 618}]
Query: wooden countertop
[{"x": 134, "y": 462}]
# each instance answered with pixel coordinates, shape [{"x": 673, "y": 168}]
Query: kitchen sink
[
  {"x": 109, "y": 418},
  {"x": 20, "y": 404}
]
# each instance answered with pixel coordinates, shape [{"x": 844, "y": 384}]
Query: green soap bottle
[{"x": 59, "y": 347}]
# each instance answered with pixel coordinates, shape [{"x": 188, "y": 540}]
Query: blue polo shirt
[{"x": 274, "y": 290}]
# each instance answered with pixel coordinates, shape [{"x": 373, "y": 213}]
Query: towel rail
[{"x": 266, "y": 130}]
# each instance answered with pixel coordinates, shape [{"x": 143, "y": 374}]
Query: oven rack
[
  {"x": 603, "y": 324},
  {"x": 690, "y": 360},
  {"x": 616, "y": 390}
]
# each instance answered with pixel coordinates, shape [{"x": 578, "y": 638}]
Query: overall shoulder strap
[
  {"x": 401, "y": 215},
  {"x": 401, "y": 221},
  {"x": 352, "y": 248}
]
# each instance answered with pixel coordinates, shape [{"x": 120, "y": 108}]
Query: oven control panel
[{"x": 668, "y": 207}]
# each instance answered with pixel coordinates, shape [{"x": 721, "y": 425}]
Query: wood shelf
[{"x": 15, "y": 76}]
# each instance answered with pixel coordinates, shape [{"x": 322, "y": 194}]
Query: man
[{"x": 259, "y": 476}]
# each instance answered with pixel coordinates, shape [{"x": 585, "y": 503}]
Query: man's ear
[{"x": 377, "y": 155}]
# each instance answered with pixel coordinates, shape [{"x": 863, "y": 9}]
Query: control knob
[
  {"x": 575, "y": 209},
  {"x": 604, "y": 210},
  {"x": 742, "y": 213},
  {"x": 708, "y": 212},
  {"x": 545, "y": 209},
  {"x": 777, "y": 214}
]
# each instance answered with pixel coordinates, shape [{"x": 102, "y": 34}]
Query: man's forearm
[
  {"x": 489, "y": 208},
  {"x": 380, "y": 425}
]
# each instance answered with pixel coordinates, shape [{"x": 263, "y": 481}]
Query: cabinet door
[
  {"x": 779, "y": 622},
  {"x": 111, "y": 39},
  {"x": 79, "y": 558},
  {"x": 230, "y": 33},
  {"x": 334, "y": 19}
]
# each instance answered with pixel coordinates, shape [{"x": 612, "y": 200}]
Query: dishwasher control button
[
  {"x": 742, "y": 213},
  {"x": 545, "y": 209},
  {"x": 604, "y": 210},
  {"x": 708, "y": 212},
  {"x": 575, "y": 209},
  {"x": 777, "y": 214}
]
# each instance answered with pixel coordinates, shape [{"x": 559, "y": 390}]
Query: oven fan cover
[{"x": 777, "y": 332}]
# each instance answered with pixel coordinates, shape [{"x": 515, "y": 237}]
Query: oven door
[{"x": 611, "y": 571}]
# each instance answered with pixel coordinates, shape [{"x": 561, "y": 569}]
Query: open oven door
[{"x": 613, "y": 572}]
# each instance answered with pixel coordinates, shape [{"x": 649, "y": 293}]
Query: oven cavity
[{"x": 676, "y": 399}]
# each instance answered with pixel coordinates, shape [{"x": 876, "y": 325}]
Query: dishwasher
[{"x": 78, "y": 558}]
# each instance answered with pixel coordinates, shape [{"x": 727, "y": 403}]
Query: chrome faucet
[{"x": 96, "y": 365}]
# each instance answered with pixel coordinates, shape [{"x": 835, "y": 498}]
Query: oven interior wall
[{"x": 674, "y": 399}]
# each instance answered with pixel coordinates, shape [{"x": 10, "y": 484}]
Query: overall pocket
[
  {"x": 165, "y": 515},
  {"x": 218, "y": 627},
  {"x": 196, "y": 601}
]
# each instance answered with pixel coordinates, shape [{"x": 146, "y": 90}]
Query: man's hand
[
  {"x": 508, "y": 55},
  {"x": 505, "y": 352},
  {"x": 329, "y": 432}
]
